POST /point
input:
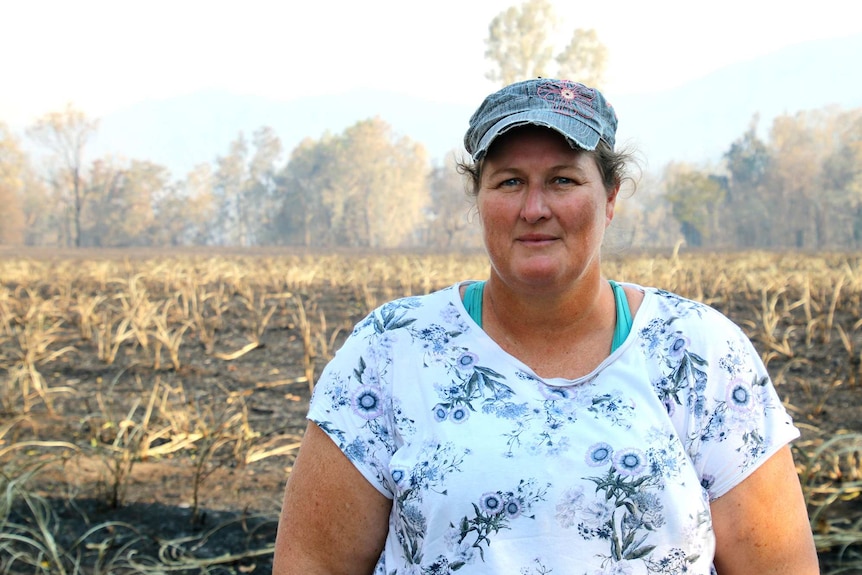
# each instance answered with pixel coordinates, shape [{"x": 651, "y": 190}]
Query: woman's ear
[{"x": 612, "y": 202}]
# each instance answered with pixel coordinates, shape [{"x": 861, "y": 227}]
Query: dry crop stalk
[
  {"x": 308, "y": 351},
  {"x": 227, "y": 426},
  {"x": 35, "y": 336},
  {"x": 177, "y": 428},
  {"x": 86, "y": 308},
  {"x": 769, "y": 321},
  {"x": 847, "y": 343},
  {"x": 369, "y": 300},
  {"x": 204, "y": 325},
  {"x": 172, "y": 339},
  {"x": 829, "y": 472},
  {"x": 833, "y": 304},
  {"x": 806, "y": 307},
  {"x": 112, "y": 457},
  {"x": 130, "y": 444},
  {"x": 108, "y": 341},
  {"x": 139, "y": 311},
  {"x": 6, "y": 315},
  {"x": 255, "y": 303}
]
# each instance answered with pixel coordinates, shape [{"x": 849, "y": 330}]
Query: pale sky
[{"x": 102, "y": 55}]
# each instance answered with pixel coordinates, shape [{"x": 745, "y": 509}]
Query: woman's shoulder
[
  {"x": 698, "y": 320},
  {"x": 412, "y": 311}
]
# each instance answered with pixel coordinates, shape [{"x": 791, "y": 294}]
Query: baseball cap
[{"x": 578, "y": 112}]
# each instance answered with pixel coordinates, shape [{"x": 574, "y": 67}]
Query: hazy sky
[{"x": 102, "y": 55}]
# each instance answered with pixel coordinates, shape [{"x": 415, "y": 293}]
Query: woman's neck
[{"x": 564, "y": 334}]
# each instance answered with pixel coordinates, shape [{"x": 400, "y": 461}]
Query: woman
[{"x": 547, "y": 420}]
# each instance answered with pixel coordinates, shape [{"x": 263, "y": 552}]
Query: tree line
[{"x": 800, "y": 186}]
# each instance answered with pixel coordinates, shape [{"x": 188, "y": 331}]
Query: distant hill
[
  {"x": 696, "y": 122},
  {"x": 184, "y": 131}
]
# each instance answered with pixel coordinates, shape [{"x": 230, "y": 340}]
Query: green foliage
[
  {"x": 694, "y": 196},
  {"x": 748, "y": 158}
]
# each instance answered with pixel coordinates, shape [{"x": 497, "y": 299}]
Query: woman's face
[{"x": 544, "y": 210}]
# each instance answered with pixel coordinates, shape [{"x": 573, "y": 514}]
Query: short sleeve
[
  {"x": 350, "y": 404},
  {"x": 716, "y": 390},
  {"x": 737, "y": 419}
]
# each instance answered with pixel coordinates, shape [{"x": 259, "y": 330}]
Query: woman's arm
[
  {"x": 761, "y": 525},
  {"x": 333, "y": 520}
]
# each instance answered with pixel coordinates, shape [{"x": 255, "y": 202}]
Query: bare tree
[
  {"x": 65, "y": 134},
  {"x": 449, "y": 223}
]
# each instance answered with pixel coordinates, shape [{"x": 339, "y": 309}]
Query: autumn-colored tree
[
  {"x": 382, "y": 177},
  {"x": 799, "y": 145},
  {"x": 585, "y": 59},
  {"x": 13, "y": 163},
  {"x": 119, "y": 210},
  {"x": 841, "y": 178},
  {"x": 520, "y": 46},
  {"x": 643, "y": 217},
  {"x": 364, "y": 187},
  {"x": 65, "y": 135}
]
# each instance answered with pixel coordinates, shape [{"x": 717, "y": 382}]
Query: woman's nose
[{"x": 535, "y": 206}]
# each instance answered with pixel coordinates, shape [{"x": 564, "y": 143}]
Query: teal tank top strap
[
  {"x": 473, "y": 305},
  {"x": 473, "y": 301},
  {"x": 624, "y": 316}
]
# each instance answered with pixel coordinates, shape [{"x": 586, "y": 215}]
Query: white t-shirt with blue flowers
[{"x": 492, "y": 469}]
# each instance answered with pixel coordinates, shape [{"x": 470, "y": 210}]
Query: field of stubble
[{"x": 151, "y": 404}]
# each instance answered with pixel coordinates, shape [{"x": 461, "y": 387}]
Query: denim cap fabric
[{"x": 578, "y": 112}]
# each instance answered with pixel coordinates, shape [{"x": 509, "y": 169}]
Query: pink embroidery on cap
[{"x": 569, "y": 98}]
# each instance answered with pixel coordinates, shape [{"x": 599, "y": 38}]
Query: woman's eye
[{"x": 510, "y": 182}]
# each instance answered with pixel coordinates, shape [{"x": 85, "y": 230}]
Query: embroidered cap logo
[{"x": 569, "y": 98}]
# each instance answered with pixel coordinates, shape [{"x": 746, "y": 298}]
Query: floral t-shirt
[{"x": 492, "y": 469}]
